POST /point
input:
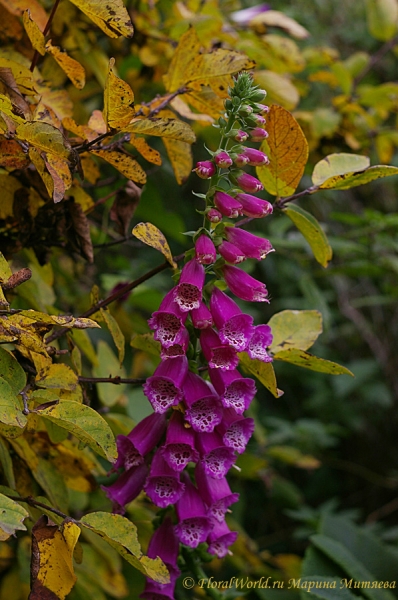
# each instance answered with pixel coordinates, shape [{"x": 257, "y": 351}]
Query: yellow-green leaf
[
  {"x": 287, "y": 149},
  {"x": 350, "y": 180},
  {"x": 185, "y": 54},
  {"x": 115, "y": 332},
  {"x": 263, "y": 371},
  {"x": 11, "y": 371},
  {"x": 121, "y": 534},
  {"x": 12, "y": 515},
  {"x": 34, "y": 34},
  {"x": 127, "y": 165},
  {"x": 84, "y": 423},
  {"x": 73, "y": 69},
  {"x": 338, "y": 164},
  {"x": 6, "y": 107},
  {"x": 110, "y": 16},
  {"x": 312, "y": 231},
  {"x": 167, "y": 128},
  {"x": 146, "y": 343},
  {"x": 44, "y": 137},
  {"x": 23, "y": 77},
  {"x": 57, "y": 376},
  {"x": 295, "y": 329},
  {"x": 5, "y": 270},
  {"x": 293, "y": 456},
  {"x": 118, "y": 100},
  {"x": 279, "y": 88},
  {"x": 6, "y": 463},
  {"x": 382, "y": 18},
  {"x": 303, "y": 359},
  {"x": 10, "y": 406},
  {"x": 180, "y": 156},
  {"x": 152, "y": 236}
]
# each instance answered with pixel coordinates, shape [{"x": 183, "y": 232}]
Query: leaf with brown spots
[
  {"x": 180, "y": 156},
  {"x": 150, "y": 154},
  {"x": 44, "y": 137},
  {"x": 287, "y": 149},
  {"x": 152, "y": 236},
  {"x": 109, "y": 15},
  {"x": 118, "y": 100},
  {"x": 300, "y": 358},
  {"x": 23, "y": 77},
  {"x": 73, "y": 69},
  {"x": 34, "y": 34},
  {"x": 12, "y": 156},
  {"x": 124, "y": 163},
  {"x": 9, "y": 88},
  {"x": 170, "y": 128}
]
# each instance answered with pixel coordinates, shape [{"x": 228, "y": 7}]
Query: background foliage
[{"x": 318, "y": 484}]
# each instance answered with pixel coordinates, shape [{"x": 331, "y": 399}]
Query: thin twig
[
  {"x": 115, "y": 380},
  {"x": 84, "y": 147},
  {"x": 282, "y": 201},
  {"x": 167, "y": 99},
  {"x": 118, "y": 241},
  {"x": 36, "y": 504},
  {"x": 46, "y": 30}
]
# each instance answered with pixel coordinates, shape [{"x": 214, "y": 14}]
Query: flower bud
[
  {"x": 258, "y": 134},
  {"x": 241, "y": 160},
  {"x": 258, "y": 95},
  {"x": 259, "y": 120},
  {"x": 241, "y": 136},
  {"x": 262, "y": 108},
  {"x": 205, "y": 251},
  {"x": 255, "y": 158},
  {"x": 254, "y": 207},
  {"x": 205, "y": 169},
  {"x": 213, "y": 215},
  {"x": 249, "y": 184},
  {"x": 222, "y": 159},
  {"x": 227, "y": 205}
]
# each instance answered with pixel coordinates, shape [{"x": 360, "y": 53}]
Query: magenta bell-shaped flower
[
  {"x": 127, "y": 487},
  {"x": 164, "y": 388},
  {"x": 231, "y": 253},
  {"x": 251, "y": 245},
  {"x": 141, "y": 440},
  {"x": 178, "y": 349},
  {"x": 244, "y": 286},
  {"x": 235, "y": 391},
  {"x": 205, "y": 251},
  {"x": 248, "y": 183},
  {"x": 194, "y": 524},
  {"x": 227, "y": 205},
  {"x": 201, "y": 317},
  {"x": 215, "y": 493},
  {"x": 254, "y": 207},
  {"x": 256, "y": 158},
  {"x": 163, "y": 486},
  {"x": 204, "y": 409},
  {"x": 188, "y": 293},
  {"x": 219, "y": 355},
  {"x": 234, "y": 327},
  {"x": 168, "y": 321},
  {"x": 261, "y": 339},
  {"x": 205, "y": 169},
  {"x": 216, "y": 457},
  {"x": 179, "y": 447},
  {"x": 236, "y": 431},
  {"x": 223, "y": 159},
  {"x": 220, "y": 539}
]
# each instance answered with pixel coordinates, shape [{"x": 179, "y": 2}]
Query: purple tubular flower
[
  {"x": 261, "y": 339},
  {"x": 218, "y": 355},
  {"x": 235, "y": 391},
  {"x": 262, "y": 108},
  {"x": 141, "y": 440},
  {"x": 260, "y": 120},
  {"x": 188, "y": 293},
  {"x": 178, "y": 349},
  {"x": 258, "y": 134},
  {"x": 215, "y": 493},
  {"x": 220, "y": 539},
  {"x": 205, "y": 251},
  {"x": 213, "y": 215},
  {"x": 227, "y": 205},
  {"x": 231, "y": 253},
  {"x": 244, "y": 286},
  {"x": 217, "y": 458},
  {"x": 223, "y": 159},
  {"x": 179, "y": 448},
  {"x": 204, "y": 410},
  {"x": 168, "y": 321},
  {"x": 254, "y": 207},
  {"x": 241, "y": 160},
  {"x": 205, "y": 169},
  {"x": 194, "y": 524},
  {"x": 164, "y": 388},
  {"x": 236, "y": 430},
  {"x": 164, "y": 544},
  {"x": 241, "y": 136},
  {"x": 256, "y": 158},
  {"x": 127, "y": 486},
  {"x": 234, "y": 327},
  {"x": 163, "y": 486},
  {"x": 251, "y": 245},
  {"x": 248, "y": 183},
  {"x": 201, "y": 317},
  {"x": 244, "y": 16}
]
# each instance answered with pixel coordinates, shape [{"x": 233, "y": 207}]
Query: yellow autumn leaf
[
  {"x": 279, "y": 87},
  {"x": 39, "y": 162},
  {"x": 52, "y": 558},
  {"x": 7, "y": 108},
  {"x": 124, "y": 163},
  {"x": 61, "y": 175},
  {"x": 44, "y": 137},
  {"x": 180, "y": 67},
  {"x": 152, "y": 236},
  {"x": 170, "y": 128},
  {"x": 183, "y": 109},
  {"x": 111, "y": 16},
  {"x": 274, "y": 18},
  {"x": 287, "y": 149},
  {"x": 150, "y": 154},
  {"x": 263, "y": 371},
  {"x": 180, "y": 156},
  {"x": 23, "y": 77},
  {"x": 17, "y": 7},
  {"x": 8, "y": 185},
  {"x": 118, "y": 100},
  {"x": 71, "y": 67},
  {"x": 34, "y": 34}
]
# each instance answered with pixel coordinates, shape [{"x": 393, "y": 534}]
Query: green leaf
[
  {"x": 295, "y": 329},
  {"x": 146, "y": 343},
  {"x": 303, "y": 359},
  {"x": 115, "y": 332},
  {"x": 263, "y": 371},
  {"x": 11, "y": 371},
  {"x": 83, "y": 342},
  {"x": 12, "y": 515},
  {"x": 121, "y": 534},
  {"x": 338, "y": 164},
  {"x": 382, "y": 18},
  {"x": 6, "y": 463},
  {"x": 84, "y": 423},
  {"x": 109, "y": 365},
  {"x": 10, "y": 406},
  {"x": 312, "y": 231},
  {"x": 5, "y": 271},
  {"x": 350, "y": 180}
]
